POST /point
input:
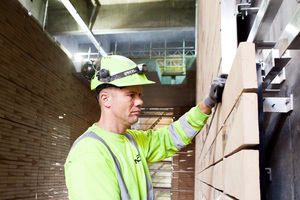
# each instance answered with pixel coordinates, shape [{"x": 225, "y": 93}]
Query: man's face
[{"x": 126, "y": 104}]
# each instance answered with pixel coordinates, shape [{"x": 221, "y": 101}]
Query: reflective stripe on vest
[
  {"x": 150, "y": 192},
  {"x": 188, "y": 129},
  {"x": 123, "y": 189}
]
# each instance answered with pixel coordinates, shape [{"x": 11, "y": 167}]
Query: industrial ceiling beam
[{"x": 82, "y": 24}]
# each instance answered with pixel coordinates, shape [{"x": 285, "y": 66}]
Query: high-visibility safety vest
[
  {"x": 118, "y": 167},
  {"x": 123, "y": 189}
]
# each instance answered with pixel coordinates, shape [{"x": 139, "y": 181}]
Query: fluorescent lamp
[{"x": 81, "y": 23}]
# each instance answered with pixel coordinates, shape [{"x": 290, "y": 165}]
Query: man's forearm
[{"x": 204, "y": 108}]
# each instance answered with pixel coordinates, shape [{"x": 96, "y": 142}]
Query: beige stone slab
[
  {"x": 200, "y": 139},
  {"x": 242, "y": 77},
  {"x": 241, "y": 128},
  {"x": 225, "y": 197},
  {"x": 206, "y": 190},
  {"x": 198, "y": 192},
  {"x": 219, "y": 148},
  {"x": 241, "y": 175},
  {"x": 218, "y": 176},
  {"x": 206, "y": 176},
  {"x": 213, "y": 130},
  {"x": 210, "y": 193}
]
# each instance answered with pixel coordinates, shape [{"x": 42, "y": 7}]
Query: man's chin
[{"x": 135, "y": 120}]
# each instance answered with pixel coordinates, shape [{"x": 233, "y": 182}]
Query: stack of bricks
[
  {"x": 183, "y": 164},
  {"x": 43, "y": 108},
  {"x": 183, "y": 173}
]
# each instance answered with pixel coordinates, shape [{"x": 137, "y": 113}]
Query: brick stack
[
  {"x": 184, "y": 173},
  {"x": 183, "y": 165},
  {"x": 43, "y": 108}
]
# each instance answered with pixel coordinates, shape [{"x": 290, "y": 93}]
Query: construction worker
[{"x": 110, "y": 161}]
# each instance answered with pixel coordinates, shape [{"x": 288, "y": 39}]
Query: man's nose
[{"x": 139, "y": 101}]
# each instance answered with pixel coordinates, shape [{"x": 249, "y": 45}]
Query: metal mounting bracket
[
  {"x": 279, "y": 78},
  {"x": 269, "y": 173},
  {"x": 273, "y": 66},
  {"x": 278, "y": 104},
  {"x": 244, "y": 9}
]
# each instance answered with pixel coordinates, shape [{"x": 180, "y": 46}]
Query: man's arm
[
  {"x": 165, "y": 142},
  {"x": 204, "y": 108}
]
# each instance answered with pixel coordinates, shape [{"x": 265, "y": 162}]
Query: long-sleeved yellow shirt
[{"x": 90, "y": 169}]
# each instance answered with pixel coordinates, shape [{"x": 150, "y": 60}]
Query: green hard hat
[{"x": 119, "y": 71}]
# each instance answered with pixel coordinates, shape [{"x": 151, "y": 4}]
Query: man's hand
[{"x": 216, "y": 91}]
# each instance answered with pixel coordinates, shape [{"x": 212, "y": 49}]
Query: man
[{"x": 109, "y": 161}]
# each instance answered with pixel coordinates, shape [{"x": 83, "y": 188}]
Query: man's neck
[{"x": 112, "y": 126}]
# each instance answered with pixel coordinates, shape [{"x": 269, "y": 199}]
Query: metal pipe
[
  {"x": 150, "y": 49},
  {"x": 196, "y": 25},
  {"x": 173, "y": 48},
  {"x": 116, "y": 44},
  {"x": 183, "y": 55},
  {"x": 129, "y": 48},
  {"x": 165, "y": 57},
  {"x": 89, "y": 53},
  {"x": 45, "y": 15}
]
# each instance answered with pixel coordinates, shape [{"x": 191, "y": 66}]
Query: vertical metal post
[
  {"x": 196, "y": 26},
  {"x": 116, "y": 44},
  {"x": 99, "y": 48},
  {"x": 150, "y": 49},
  {"x": 183, "y": 55},
  {"x": 165, "y": 56},
  {"x": 129, "y": 49},
  {"x": 45, "y": 15},
  {"x": 89, "y": 53},
  {"x": 262, "y": 147}
]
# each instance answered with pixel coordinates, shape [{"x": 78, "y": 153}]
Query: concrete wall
[{"x": 43, "y": 108}]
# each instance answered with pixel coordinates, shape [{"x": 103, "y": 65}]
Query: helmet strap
[{"x": 103, "y": 76}]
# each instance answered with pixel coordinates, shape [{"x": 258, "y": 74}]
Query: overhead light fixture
[
  {"x": 77, "y": 58},
  {"x": 82, "y": 24}
]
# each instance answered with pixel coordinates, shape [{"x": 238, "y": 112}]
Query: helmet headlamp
[{"x": 104, "y": 75}]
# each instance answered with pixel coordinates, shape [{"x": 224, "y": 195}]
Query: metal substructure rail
[
  {"x": 271, "y": 67},
  {"x": 160, "y": 52}
]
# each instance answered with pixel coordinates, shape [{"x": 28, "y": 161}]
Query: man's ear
[{"x": 104, "y": 99}]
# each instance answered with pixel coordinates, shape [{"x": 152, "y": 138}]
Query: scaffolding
[{"x": 170, "y": 60}]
